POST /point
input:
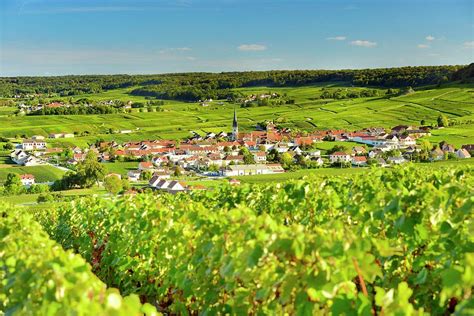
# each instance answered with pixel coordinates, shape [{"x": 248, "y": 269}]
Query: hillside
[{"x": 306, "y": 112}]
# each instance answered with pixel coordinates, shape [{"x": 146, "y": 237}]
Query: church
[{"x": 235, "y": 127}]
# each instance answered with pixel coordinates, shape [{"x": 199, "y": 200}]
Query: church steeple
[{"x": 235, "y": 126}]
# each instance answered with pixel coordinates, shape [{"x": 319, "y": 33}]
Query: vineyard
[
  {"x": 39, "y": 278},
  {"x": 394, "y": 242}
]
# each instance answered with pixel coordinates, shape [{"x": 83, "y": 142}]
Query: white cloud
[
  {"x": 469, "y": 44},
  {"x": 430, "y": 38},
  {"x": 251, "y": 47},
  {"x": 363, "y": 43},
  {"x": 176, "y": 49},
  {"x": 423, "y": 46},
  {"x": 336, "y": 38}
]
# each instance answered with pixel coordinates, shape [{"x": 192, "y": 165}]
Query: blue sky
[{"x": 56, "y": 37}]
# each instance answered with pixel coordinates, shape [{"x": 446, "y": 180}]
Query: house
[
  {"x": 396, "y": 160},
  {"x": 175, "y": 187},
  {"x": 159, "y": 184},
  {"x": 18, "y": 156},
  {"x": 31, "y": 144},
  {"x": 160, "y": 160},
  {"x": 315, "y": 153},
  {"x": 274, "y": 168},
  {"x": 31, "y": 161},
  {"x": 155, "y": 181},
  {"x": 359, "y": 150},
  {"x": 406, "y": 140},
  {"x": 296, "y": 149},
  {"x": 260, "y": 157},
  {"x": 161, "y": 175},
  {"x": 27, "y": 180},
  {"x": 374, "y": 153},
  {"x": 359, "y": 161},
  {"x": 146, "y": 165},
  {"x": 319, "y": 161},
  {"x": 248, "y": 170},
  {"x": 339, "y": 157},
  {"x": 463, "y": 153},
  {"x": 234, "y": 182},
  {"x": 134, "y": 175},
  {"x": 469, "y": 147},
  {"x": 437, "y": 154},
  {"x": 37, "y": 137},
  {"x": 234, "y": 159},
  {"x": 447, "y": 148},
  {"x": 401, "y": 128}
]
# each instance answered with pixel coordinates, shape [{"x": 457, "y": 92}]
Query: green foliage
[
  {"x": 195, "y": 86},
  {"x": 301, "y": 247},
  {"x": 146, "y": 175},
  {"x": 90, "y": 170},
  {"x": 13, "y": 184},
  {"x": 39, "y": 278},
  {"x": 442, "y": 121},
  {"x": 113, "y": 184}
]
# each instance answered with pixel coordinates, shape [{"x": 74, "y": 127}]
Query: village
[{"x": 264, "y": 151}]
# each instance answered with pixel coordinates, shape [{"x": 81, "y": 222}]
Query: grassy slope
[
  {"x": 42, "y": 173},
  {"x": 457, "y": 102}
]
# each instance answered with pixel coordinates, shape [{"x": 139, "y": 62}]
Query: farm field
[
  {"x": 179, "y": 118},
  {"x": 44, "y": 173}
]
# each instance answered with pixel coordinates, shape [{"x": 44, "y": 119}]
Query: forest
[{"x": 199, "y": 86}]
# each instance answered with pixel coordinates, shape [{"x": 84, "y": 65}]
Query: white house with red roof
[
  {"x": 27, "y": 179},
  {"x": 359, "y": 161}
]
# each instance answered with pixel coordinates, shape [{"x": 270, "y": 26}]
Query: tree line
[{"x": 198, "y": 86}]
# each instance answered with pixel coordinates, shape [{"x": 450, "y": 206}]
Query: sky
[{"x": 60, "y": 37}]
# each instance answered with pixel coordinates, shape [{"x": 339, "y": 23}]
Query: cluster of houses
[
  {"x": 222, "y": 154},
  {"x": 24, "y": 108},
  {"x": 255, "y": 97}
]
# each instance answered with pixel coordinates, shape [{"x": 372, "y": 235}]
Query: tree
[
  {"x": 177, "y": 171},
  {"x": 336, "y": 148},
  {"x": 213, "y": 167},
  {"x": 45, "y": 197},
  {"x": 113, "y": 184},
  {"x": 146, "y": 175},
  {"x": 442, "y": 121},
  {"x": 422, "y": 122},
  {"x": 13, "y": 184},
  {"x": 90, "y": 170},
  {"x": 125, "y": 184},
  {"x": 8, "y": 146},
  {"x": 273, "y": 155},
  {"x": 286, "y": 160},
  {"x": 39, "y": 188}
]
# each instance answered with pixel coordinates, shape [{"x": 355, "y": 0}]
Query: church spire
[{"x": 235, "y": 126}]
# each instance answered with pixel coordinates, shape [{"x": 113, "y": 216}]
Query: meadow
[{"x": 43, "y": 173}]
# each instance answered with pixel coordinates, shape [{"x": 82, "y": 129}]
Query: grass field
[
  {"x": 340, "y": 171},
  {"x": 179, "y": 118},
  {"x": 32, "y": 198},
  {"x": 121, "y": 167},
  {"x": 44, "y": 173}
]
